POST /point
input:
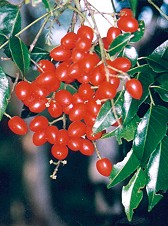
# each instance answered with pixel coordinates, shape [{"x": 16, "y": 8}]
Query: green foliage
[
  {"x": 4, "y": 92},
  {"x": 145, "y": 164}
]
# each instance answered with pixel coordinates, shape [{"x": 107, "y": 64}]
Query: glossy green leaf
[
  {"x": 150, "y": 131},
  {"x": 130, "y": 106},
  {"x": 125, "y": 131},
  {"x": 106, "y": 116},
  {"x": 157, "y": 60},
  {"x": 157, "y": 173},
  {"x": 130, "y": 53},
  {"x": 144, "y": 68},
  {"x": 10, "y": 19},
  {"x": 133, "y": 4},
  {"x": 162, "y": 90},
  {"x": 119, "y": 43},
  {"x": 4, "y": 92},
  {"x": 20, "y": 54},
  {"x": 137, "y": 36},
  {"x": 3, "y": 38},
  {"x": 47, "y": 4},
  {"x": 132, "y": 193},
  {"x": 38, "y": 54},
  {"x": 123, "y": 169}
]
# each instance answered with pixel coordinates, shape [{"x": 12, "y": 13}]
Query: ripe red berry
[
  {"x": 78, "y": 112},
  {"x": 38, "y": 123},
  {"x": 59, "y": 151},
  {"x": 134, "y": 88},
  {"x": 75, "y": 143},
  {"x": 60, "y": 53},
  {"x": 69, "y": 40},
  {"x": 39, "y": 138},
  {"x": 17, "y": 125},
  {"x": 45, "y": 65},
  {"x": 63, "y": 97},
  {"x": 112, "y": 33},
  {"x": 55, "y": 109},
  {"x": 22, "y": 90},
  {"x": 104, "y": 166},
  {"x": 128, "y": 24},
  {"x": 76, "y": 129},
  {"x": 87, "y": 147},
  {"x": 126, "y": 12},
  {"x": 85, "y": 31}
]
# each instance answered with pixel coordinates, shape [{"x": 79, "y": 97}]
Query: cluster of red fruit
[{"x": 75, "y": 60}]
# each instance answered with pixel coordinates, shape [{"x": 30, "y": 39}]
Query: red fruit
[
  {"x": 122, "y": 64},
  {"x": 83, "y": 44},
  {"x": 93, "y": 107},
  {"x": 77, "y": 55},
  {"x": 39, "y": 138},
  {"x": 76, "y": 129},
  {"x": 66, "y": 109},
  {"x": 62, "y": 137},
  {"x": 105, "y": 43},
  {"x": 104, "y": 166},
  {"x": 78, "y": 112},
  {"x": 61, "y": 72},
  {"x": 55, "y": 109},
  {"x": 85, "y": 91},
  {"x": 126, "y": 12},
  {"x": 38, "y": 105},
  {"x": 97, "y": 75},
  {"x": 69, "y": 40},
  {"x": 45, "y": 65},
  {"x": 112, "y": 33},
  {"x": 38, "y": 123},
  {"x": 90, "y": 135},
  {"x": 85, "y": 31},
  {"x": 22, "y": 90},
  {"x": 59, "y": 151},
  {"x": 89, "y": 62},
  {"x": 74, "y": 71},
  {"x": 90, "y": 119},
  {"x": 63, "y": 97},
  {"x": 48, "y": 80},
  {"x": 51, "y": 134},
  {"x": 106, "y": 91},
  {"x": 75, "y": 143},
  {"x": 60, "y": 53},
  {"x": 114, "y": 81},
  {"x": 38, "y": 91},
  {"x": 128, "y": 24},
  {"x": 87, "y": 147},
  {"x": 17, "y": 125},
  {"x": 134, "y": 88}
]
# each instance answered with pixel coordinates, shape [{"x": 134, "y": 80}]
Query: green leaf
[
  {"x": 162, "y": 90},
  {"x": 125, "y": 131},
  {"x": 139, "y": 33},
  {"x": 157, "y": 173},
  {"x": 20, "y": 54},
  {"x": 130, "y": 106},
  {"x": 133, "y": 4},
  {"x": 150, "y": 131},
  {"x": 3, "y": 38},
  {"x": 130, "y": 53},
  {"x": 10, "y": 19},
  {"x": 123, "y": 169},
  {"x": 142, "y": 68},
  {"x": 4, "y": 92},
  {"x": 38, "y": 54},
  {"x": 132, "y": 193},
  {"x": 119, "y": 43},
  {"x": 47, "y": 4},
  {"x": 157, "y": 60},
  {"x": 106, "y": 116}
]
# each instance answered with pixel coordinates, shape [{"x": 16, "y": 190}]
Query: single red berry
[
  {"x": 134, "y": 88},
  {"x": 55, "y": 109},
  {"x": 17, "y": 125},
  {"x": 122, "y": 64},
  {"x": 89, "y": 62},
  {"x": 59, "y": 151},
  {"x": 85, "y": 31},
  {"x": 112, "y": 33},
  {"x": 90, "y": 135},
  {"x": 63, "y": 97},
  {"x": 104, "y": 166},
  {"x": 87, "y": 147},
  {"x": 76, "y": 129},
  {"x": 128, "y": 24},
  {"x": 62, "y": 137},
  {"x": 126, "y": 12},
  {"x": 51, "y": 134},
  {"x": 38, "y": 123},
  {"x": 106, "y": 91},
  {"x": 60, "y": 53},
  {"x": 22, "y": 90},
  {"x": 39, "y": 138},
  {"x": 45, "y": 65},
  {"x": 78, "y": 112},
  {"x": 75, "y": 143},
  {"x": 83, "y": 44},
  {"x": 38, "y": 105},
  {"x": 85, "y": 91},
  {"x": 69, "y": 40}
]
